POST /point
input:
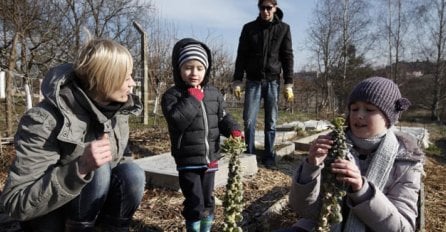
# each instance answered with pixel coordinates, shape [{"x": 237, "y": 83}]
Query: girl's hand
[
  {"x": 347, "y": 172},
  {"x": 96, "y": 154},
  {"x": 319, "y": 149}
]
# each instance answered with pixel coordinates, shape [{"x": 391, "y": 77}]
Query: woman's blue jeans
[
  {"x": 112, "y": 196},
  {"x": 254, "y": 92}
]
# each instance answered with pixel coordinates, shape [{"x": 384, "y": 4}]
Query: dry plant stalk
[
  {"x": 233, "y": 200},
  {"x": 332, "y": 190}
]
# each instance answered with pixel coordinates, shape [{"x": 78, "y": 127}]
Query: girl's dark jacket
[
  {"x": 264, "y": 50},
  {"x": 194, "y": 126}
]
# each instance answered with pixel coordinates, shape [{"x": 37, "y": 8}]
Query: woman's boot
[
  {"x": 75, "y": 226},
  {"x": 110, "y": 224}
]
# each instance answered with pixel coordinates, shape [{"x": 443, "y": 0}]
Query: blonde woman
[{"x": 69, "y": 174}]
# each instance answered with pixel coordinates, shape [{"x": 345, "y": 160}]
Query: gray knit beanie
[
  {"x": 193, "y": 52},
  {"x": 383, "y": 93}
]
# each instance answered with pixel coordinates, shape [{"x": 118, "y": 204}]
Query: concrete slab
[
  {"x": 161, "y": 170},
  {"x": 291, "y": 126},
  {"x": 285, "y": 136},
  {"x": 421, "y": 134},
  {"x": 284, "y": 149},
  {"x": 303, "y": 144},
  {"x": 281, "y": 137},
  {"x": 317, "y": 125},
  {"x": 249, "y": 168}
]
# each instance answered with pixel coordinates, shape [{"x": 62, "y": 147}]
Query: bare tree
[
  {"x": 432, "y": 40},
  {"x": 396, "y": 24},
  {"x": 19, "y": 18},
  {"x": 323, "y": 34},
  {"x": 161, "y": 35},
  {"x": 355, "y": 23},
  {"x": 222, "y": 66},
  {"x": 37, "y": 35},
  {"x": 339, "y": 28}
]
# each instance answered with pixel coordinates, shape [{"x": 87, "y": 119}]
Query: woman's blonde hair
[{"x": 102, "y": 66}]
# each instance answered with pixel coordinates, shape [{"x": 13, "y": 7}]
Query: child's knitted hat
[
  {"x": 193, "y": 52},
  {"x": 383, "y": 93}
]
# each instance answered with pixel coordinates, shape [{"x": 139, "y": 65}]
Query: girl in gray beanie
[
  {"x": 382, "y": 173},
  {"x": 384, "y": 94}
]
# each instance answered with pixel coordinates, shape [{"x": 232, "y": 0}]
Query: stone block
[
  {"x": 281, "y": 137},
  {"x": 284, "y": 149},
  {"x": 291, "y": 126},
  {"x": 317, "y": 125},
  {"x": 421, "y": 134},
  {"x": 303, "y": 144},
  {"x": 161, "y": 170}
]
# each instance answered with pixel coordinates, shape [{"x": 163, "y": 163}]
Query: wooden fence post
[{"x": 145, "y": 66}]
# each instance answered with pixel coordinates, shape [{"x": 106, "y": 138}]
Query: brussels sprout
[
  {"x": 333, "y": 192},
  {"x": 233, "y": 201}
]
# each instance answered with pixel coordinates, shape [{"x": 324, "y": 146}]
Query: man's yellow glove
[
  {"x": 288, "y": 93},
  {"x": 237, "y": 88}
]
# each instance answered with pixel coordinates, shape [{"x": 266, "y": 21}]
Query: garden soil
[{"x": 161, "y": 208}]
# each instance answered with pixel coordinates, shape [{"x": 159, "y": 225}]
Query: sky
[{"x": 223, "y": 20}]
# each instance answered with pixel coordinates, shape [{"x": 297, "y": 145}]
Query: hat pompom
[{"x": 402, "y": 104}]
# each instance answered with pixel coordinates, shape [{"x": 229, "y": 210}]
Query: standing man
[{"x": 264, "y": 53}]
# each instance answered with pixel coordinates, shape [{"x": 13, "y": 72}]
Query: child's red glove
[
  {"x": 236, "y": 134},
  {"x": 213, "y": 166},
  {"x": 197, "y": 93}
]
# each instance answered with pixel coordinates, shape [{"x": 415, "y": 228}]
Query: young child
[
  {"x": 383, "y": 171},
  {"x": 196, "y": 116}
]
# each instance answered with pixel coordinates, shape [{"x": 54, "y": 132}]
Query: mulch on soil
[{"x": 161, "y": 208}]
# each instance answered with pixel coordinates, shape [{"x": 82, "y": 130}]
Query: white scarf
[{"x": 377, "y": 173}]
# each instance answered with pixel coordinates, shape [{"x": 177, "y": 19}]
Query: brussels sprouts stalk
[
  {"x": 332, "y": 191},
  {"x": 233, "y": 201}
]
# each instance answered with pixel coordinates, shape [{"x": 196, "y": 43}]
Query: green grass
[{"x": 434, "y": 150}]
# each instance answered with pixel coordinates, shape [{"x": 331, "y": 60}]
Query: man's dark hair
[{"x": 274, "y": 2}]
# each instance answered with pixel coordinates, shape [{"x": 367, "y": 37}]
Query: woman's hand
[
  {"x": 96, "y": 154},
  {"x": 347, "y": 172},
  {"x": 319, "y": 149}
]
